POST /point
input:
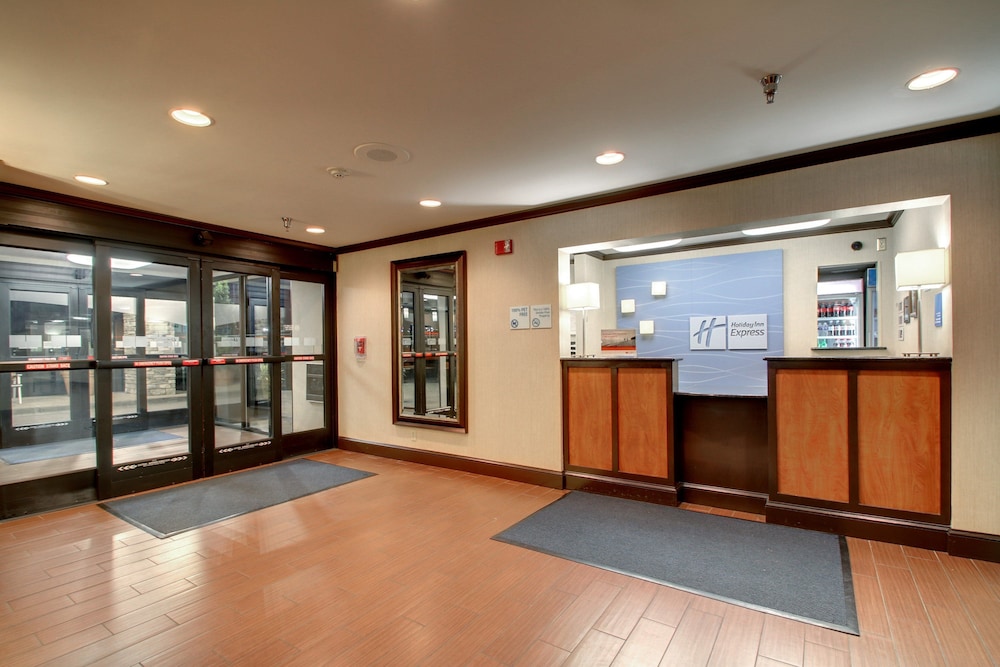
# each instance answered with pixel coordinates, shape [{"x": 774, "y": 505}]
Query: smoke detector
[
  {"x": 384, "y": 153},
  {"x": 338, "y": 172}
]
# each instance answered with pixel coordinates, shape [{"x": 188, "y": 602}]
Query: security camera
[
  {"x": 203, "y": 238},
  {"x": 857, "y": 245}
]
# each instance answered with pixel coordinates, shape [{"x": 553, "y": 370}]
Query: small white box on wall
[
  {"x": 658, "y": 288},
  {"x": 627, "y": 306},
  {"x": 646, "y": 327}
]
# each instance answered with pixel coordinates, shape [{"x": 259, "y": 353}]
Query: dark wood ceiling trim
[
  {"x": 43, "y": 211},
  {"x": 913, "y": 139}
]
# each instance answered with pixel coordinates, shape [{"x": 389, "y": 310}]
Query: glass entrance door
[
  {"x": 123, "y": 370},
  {"x": 150, "y": 372},
  {"x": 46, "y": 378},
  {"x": 244, "y": 375}
]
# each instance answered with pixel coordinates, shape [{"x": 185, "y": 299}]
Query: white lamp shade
[
  {"x": 583, "y": 296},
  {"x": 921, "y": 269}
]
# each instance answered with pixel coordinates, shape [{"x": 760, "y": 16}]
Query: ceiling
[{"x": 488, "y": 106}]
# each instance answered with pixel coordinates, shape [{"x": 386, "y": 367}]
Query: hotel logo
[
  {"x": 733, "y": 332},
  {"x": 708, "y": 333}
]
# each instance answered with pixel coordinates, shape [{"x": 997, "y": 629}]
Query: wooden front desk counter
[
  {"x": 618, "y": 427},
  {"x": 861, "y": 446},
  {"x": 857, "y": 446}
]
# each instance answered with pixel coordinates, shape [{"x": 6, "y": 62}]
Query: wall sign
[
  {"x": 520, "y": 318},
  {"x": 747, "y": 332},
  {"x": 541, "y": 316},
  {"x": 504, "y": 247}
]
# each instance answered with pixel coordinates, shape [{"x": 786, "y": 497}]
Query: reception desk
[
  {"x": 618, "y": 427},
  {"x": 861, "y": 446},
  {"x": 852, "y": 445}
]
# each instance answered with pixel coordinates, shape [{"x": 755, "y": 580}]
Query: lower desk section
[
  {"x": 618, "y": 427},
  {"x": 855, "y": 446},
  {"x": 862, "y": 447}
]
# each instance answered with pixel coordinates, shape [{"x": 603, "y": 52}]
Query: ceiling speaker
[{"x": 384, "y": 153}]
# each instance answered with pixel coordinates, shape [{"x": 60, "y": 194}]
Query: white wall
[{"x": 514, "y": 377}]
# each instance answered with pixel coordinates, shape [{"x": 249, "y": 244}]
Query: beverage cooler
[{"x": 840, "y": 320}]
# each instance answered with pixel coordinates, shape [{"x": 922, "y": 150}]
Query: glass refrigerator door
[{"x": 840, "y": 321}]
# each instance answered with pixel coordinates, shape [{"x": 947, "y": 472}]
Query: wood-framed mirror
[{"x": 429, "y": 342}]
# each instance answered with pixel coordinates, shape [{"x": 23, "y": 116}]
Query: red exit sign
[{"x": 504, "y": 247}]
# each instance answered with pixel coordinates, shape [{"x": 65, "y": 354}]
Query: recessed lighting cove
[
  {"x": 791, "y": 227},
  {"x": 430, "y": 203},
  {"x": 191, "y": 117},
  {"x": 932, "y": 79},
  {"x": 90, "y": 180},
  {"x": 609, "y": 157},
  {"x": 646, "y": 246}
]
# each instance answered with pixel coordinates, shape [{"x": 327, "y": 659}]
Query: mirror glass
[{"x": 429, "y": 386}]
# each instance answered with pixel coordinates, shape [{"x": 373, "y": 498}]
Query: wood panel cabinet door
[
  {"x": 899, "y": 440},
  {"x": 812, "y": 434},
  {"x": 589, "y": 417},
  {"x": 643, "y": 403}
]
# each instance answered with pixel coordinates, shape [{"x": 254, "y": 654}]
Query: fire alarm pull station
[
  {"x": 361, "y": 347},
  {"x": 505, "y": 247}
]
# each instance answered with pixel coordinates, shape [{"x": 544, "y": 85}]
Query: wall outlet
[{"x": 880, "y": 244}]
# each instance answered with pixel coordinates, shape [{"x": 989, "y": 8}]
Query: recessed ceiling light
[
  {"x": 609, "y": 157},
  {"x": 90, "y": 180},
  {"x": 191, "y": 117},
  {"x": 932, "y": 79},
  {"x": 430, "y": 203},
  {"x": 791, "y": 227},
  {"x": 315, "y": 230}
]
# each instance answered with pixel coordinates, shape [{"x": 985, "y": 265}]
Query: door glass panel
[
  {"x": 151, "y": 415},
  {"x": 166, "y": 327},
  {"x": 51, "y": 428},
  {"x": 302, "y": 396},
  {"x": 242, "y": 403},
  {"x": 240, "y": 314},
  {"x": 258, "y": 322},
  {"x": 123, "y": 325},
  {"x": 149, "y": 318},
  {"x": 149, "y": 309},
  {"x": 301, "y": 317},
  {"x": 46, "y": 310}
]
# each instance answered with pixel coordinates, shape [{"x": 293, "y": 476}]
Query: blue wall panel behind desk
[{"x": 723, "y": 285}]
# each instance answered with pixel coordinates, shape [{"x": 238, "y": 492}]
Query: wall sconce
[
  {"x": 658, "y": 288},
  {"x": 584, "y": 297},
  {"x": 627, "y": 306},
  {"x": 646, "y": 327},
  {"x": 921, "y": 270}
]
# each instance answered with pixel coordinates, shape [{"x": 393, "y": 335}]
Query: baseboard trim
[
  {"x": 724, "y": 498},
  {"x": 515, "y": 473},
  {"x": 621, "y": 488},
  {"x": 980, "y": 546},
  {"x": 882, "y": 529}
]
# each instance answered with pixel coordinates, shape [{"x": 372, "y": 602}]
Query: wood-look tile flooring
[{"x": 399, "y": 569}]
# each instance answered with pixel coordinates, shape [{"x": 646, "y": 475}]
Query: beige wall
[{"x": 514, "y": 410}]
